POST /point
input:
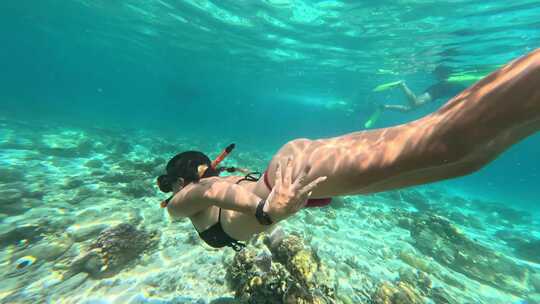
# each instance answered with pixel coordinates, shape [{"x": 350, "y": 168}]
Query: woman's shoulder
[
  {"x": 214, "y": 179},
  {"x": 211, "y": 183}
]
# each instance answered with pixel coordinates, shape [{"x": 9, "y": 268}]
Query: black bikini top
[{"x": 215, "y": 236}]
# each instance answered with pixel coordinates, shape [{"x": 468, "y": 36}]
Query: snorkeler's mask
[{"x": 203, "y": 168}]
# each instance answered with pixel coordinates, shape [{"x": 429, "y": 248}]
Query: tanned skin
[{"x": 464, "y": 135}]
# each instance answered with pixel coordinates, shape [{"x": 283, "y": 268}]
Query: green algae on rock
[
  {"x": 435, "y": 236},
  {"x": 113, "y": 249}
]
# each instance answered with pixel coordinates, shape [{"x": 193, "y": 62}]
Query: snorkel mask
[{"x": 201, "y": 170}]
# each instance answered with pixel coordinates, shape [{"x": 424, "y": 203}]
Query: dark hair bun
[
  {"x": 164, "y": 183},
  {"x": 185, "y": 165}
]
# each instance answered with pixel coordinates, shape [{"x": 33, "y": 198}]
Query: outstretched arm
[
  {"x": 212, "y": 191},
  {"x": 468, "y": 132}
]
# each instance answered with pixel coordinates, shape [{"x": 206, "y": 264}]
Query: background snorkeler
[
  {"x": 449, "y": 83},
  {"x": 441, "y": 89}
]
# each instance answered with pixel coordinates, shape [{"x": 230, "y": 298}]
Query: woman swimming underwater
[{"x": 465, "y": 134}]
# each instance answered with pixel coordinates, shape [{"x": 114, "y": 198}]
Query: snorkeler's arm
[
  {"x": 227, "y": 195},
  {"x": 212, "y": 191}
]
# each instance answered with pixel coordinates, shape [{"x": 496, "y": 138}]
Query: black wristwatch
[{"x": 262, "y": 217}]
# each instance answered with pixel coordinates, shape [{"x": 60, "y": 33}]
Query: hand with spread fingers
[{"x": 288, "y": 195}]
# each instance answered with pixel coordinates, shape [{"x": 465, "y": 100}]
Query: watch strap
[{"x": 262, "y": 217}]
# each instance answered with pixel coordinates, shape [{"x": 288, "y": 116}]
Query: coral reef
[
  {"x": 400, "y": 293},
  {"x": 412, "y": 287},
  {"x": 291, "y": 274},
  {"x": 113, "y": 249}
]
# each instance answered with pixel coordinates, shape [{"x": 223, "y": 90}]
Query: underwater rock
[
  {"x": 147, "y": 166},
  {"x": 392, "y": 195},
  {"x": 63, "y": 138},
  {"x": 401, "y": 293},
  {"x": 303, "y": 266},
  {"x": 193, "y": 238},
  {"x": 70, "y": 284},
  {"x": 286, "y": 248},
  {"x": 291, "y": 275},
  {"x": 436, "y": 195},
  {"x": 143, "y": 298},
  {"x": 81, "y": 233},
  {"x": 138, "y": 189},
  {"x": 121, "y": 148},
  {"x": 495, "y": 220},
  {"x": 421, "y": 283},
  {"x": 415, "y": 261},
  {"x": 82, "y": 149},
  {"x": 528, "y": 250},
  {"x": 98, "y": 172},
  {"x": 535, "y": 281},
  {"x": 47, "y": 249},
  {"x": 435, "y": 236},
  {"x": 462, "y": 219},
  {"x": 263, "y": 260},
  {"x": 418, "y": 279},
  {"x": 507, "y": 214},
  {"x": 417, "y": 199},
  {"x": 114, "y": 249},
  {"x": 521, "y": 243},
  {"x": 339, "y": 203},
  {"x": 30, "y": 233},
  {"x": 116, "y": 178},
  {"x": 91, "y": 262},
  {"x": 224, "y": 300},
  {"x": 243, "y": 278},
  {"x": 440, "y": 296},
  {"x": 532, "y": 299},
  {"x": 81, "y": 195},
  {"x": 10, "y": 175},
  {"x": 94, "y": 164},
  {"x": 331, "y": 214},
  {"x": 14, "y": 201},
  {"x": 10, "y": 196},
  {"x": 73, "y": 183}
]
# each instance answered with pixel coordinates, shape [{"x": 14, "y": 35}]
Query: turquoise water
[{"x": 127, "y": 84}]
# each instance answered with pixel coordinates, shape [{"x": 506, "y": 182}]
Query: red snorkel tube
[{"x": 222, "y": 156}]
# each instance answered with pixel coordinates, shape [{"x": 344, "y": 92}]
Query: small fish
[{"x": 25, "y": 262}]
